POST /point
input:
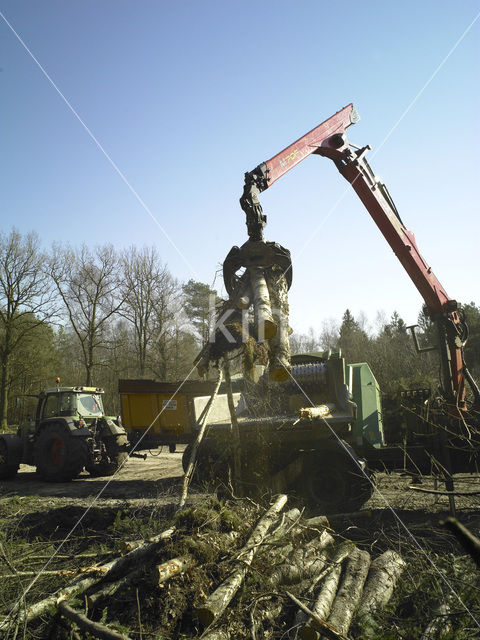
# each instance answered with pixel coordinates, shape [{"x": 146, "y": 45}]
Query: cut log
[
  {"x": 316, "y": 522},
  {"x": 93, "y": 628},
  {"x": 111, "y": 588},
  {"x": 440, "y": 624},
  {"x": 166, "y": 570},
  {"x": 287, "y": 525},
  {"x": 198, "y": 440},
  {"x": 217, "y": 602},
  {"x": 310, "y": 413},
  {"x": 304, "y": 562},
  {"x": 264, "y": 322},
  {"x": 159, "y": 574},
  {"x": 215, "y": 634},
  {"x": 326, "y": 595},
  {"x": 129, "y": 545},
  {"x": 350, "y": 591},
  {"x": 381, "y": 580},
  {"x": 279, "y": 345}
]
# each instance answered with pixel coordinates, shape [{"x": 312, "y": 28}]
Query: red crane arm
[
  {"x": 380, "y": 206},
  {"x": 329, "y": 140},
  {"x": 277, "y": 166}
]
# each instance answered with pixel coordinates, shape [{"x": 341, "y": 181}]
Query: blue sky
[{"x": 187, "y": 96}]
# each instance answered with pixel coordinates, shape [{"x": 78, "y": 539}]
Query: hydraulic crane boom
[{"x": 329, "y": 140}]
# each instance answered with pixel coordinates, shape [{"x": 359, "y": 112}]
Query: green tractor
[{"x": 70, "y": 433}]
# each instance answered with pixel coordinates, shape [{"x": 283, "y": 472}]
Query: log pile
[{"x": 227, "y": 570}]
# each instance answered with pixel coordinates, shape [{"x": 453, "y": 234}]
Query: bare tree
[
  {"x": 147, "y": 288},
  {"x": 88, "y": 283},
  {"x": 305, "y": 342},
  {"x": 26, "y": 300}
]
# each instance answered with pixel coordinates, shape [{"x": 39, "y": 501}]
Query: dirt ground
[
  {"x": 158, "y": 480},
  {"x": 159, "y": 474}
]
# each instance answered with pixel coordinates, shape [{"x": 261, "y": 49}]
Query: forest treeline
[{"x": 92, "y": 315}]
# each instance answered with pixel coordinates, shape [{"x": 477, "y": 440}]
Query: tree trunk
[
  {"x": 350, "y": 591},
  {"x": 89, "y": 364},
  {"x": 219, "y": 600},
  {"x": 326, "y": 595},
  {"x": 381, "y": 580},
  {"x": 326, "y": 629},
  {"x": 4, "y": 393},
  {"x": 304, "y": 562}
]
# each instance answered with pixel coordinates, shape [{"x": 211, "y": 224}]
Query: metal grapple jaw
[{"x": 255, "y": 183}]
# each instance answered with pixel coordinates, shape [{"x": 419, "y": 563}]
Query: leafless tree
[
  {"x": 147, "y": 289},
  {"x": 26, "y": 300},
  {"x": 87, "y": 281}
]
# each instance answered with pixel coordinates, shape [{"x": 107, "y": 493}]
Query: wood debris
[{"x": 272, "y": 571}]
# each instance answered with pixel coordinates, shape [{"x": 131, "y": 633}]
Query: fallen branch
[
  {"x": 444, "y": 493},
  {"x": 159, "y": 574},
  {"x": 110, "y": 588},
  {"x": 469, "y": 542},
  {"x": 5, "y": 558},
  {"x": 324, "y": 627},
  {"x": 305, "y": 562},
  {"x": 63, "y": 573},
  {"x": 191, "y": 465},
  {"x": 23, "y": 613},
  {"x": 236, "y": 458},
  {"x": 326, "y": 595},
  {"x": 93, "y": 628},
  {"x": 129, "y": 545},
  {"x": 217, "y": 602}
]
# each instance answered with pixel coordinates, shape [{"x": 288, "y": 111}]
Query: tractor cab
[{"x": 76, "y": 402}]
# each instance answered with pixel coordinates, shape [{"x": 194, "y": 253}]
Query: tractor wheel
[
  {"x": 8, "y": 467},
  {"x": 59, "y": 456},
  {"x": 333, "y": 483},
  {"x": 117, "y": 457}
]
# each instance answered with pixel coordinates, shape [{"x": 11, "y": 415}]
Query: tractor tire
[
  {"x": 59, "y": 456},
  {"x": 333, "y": 483},
  {"x": 8, "y": 465},
  {"x": 116, "y": 457}
]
